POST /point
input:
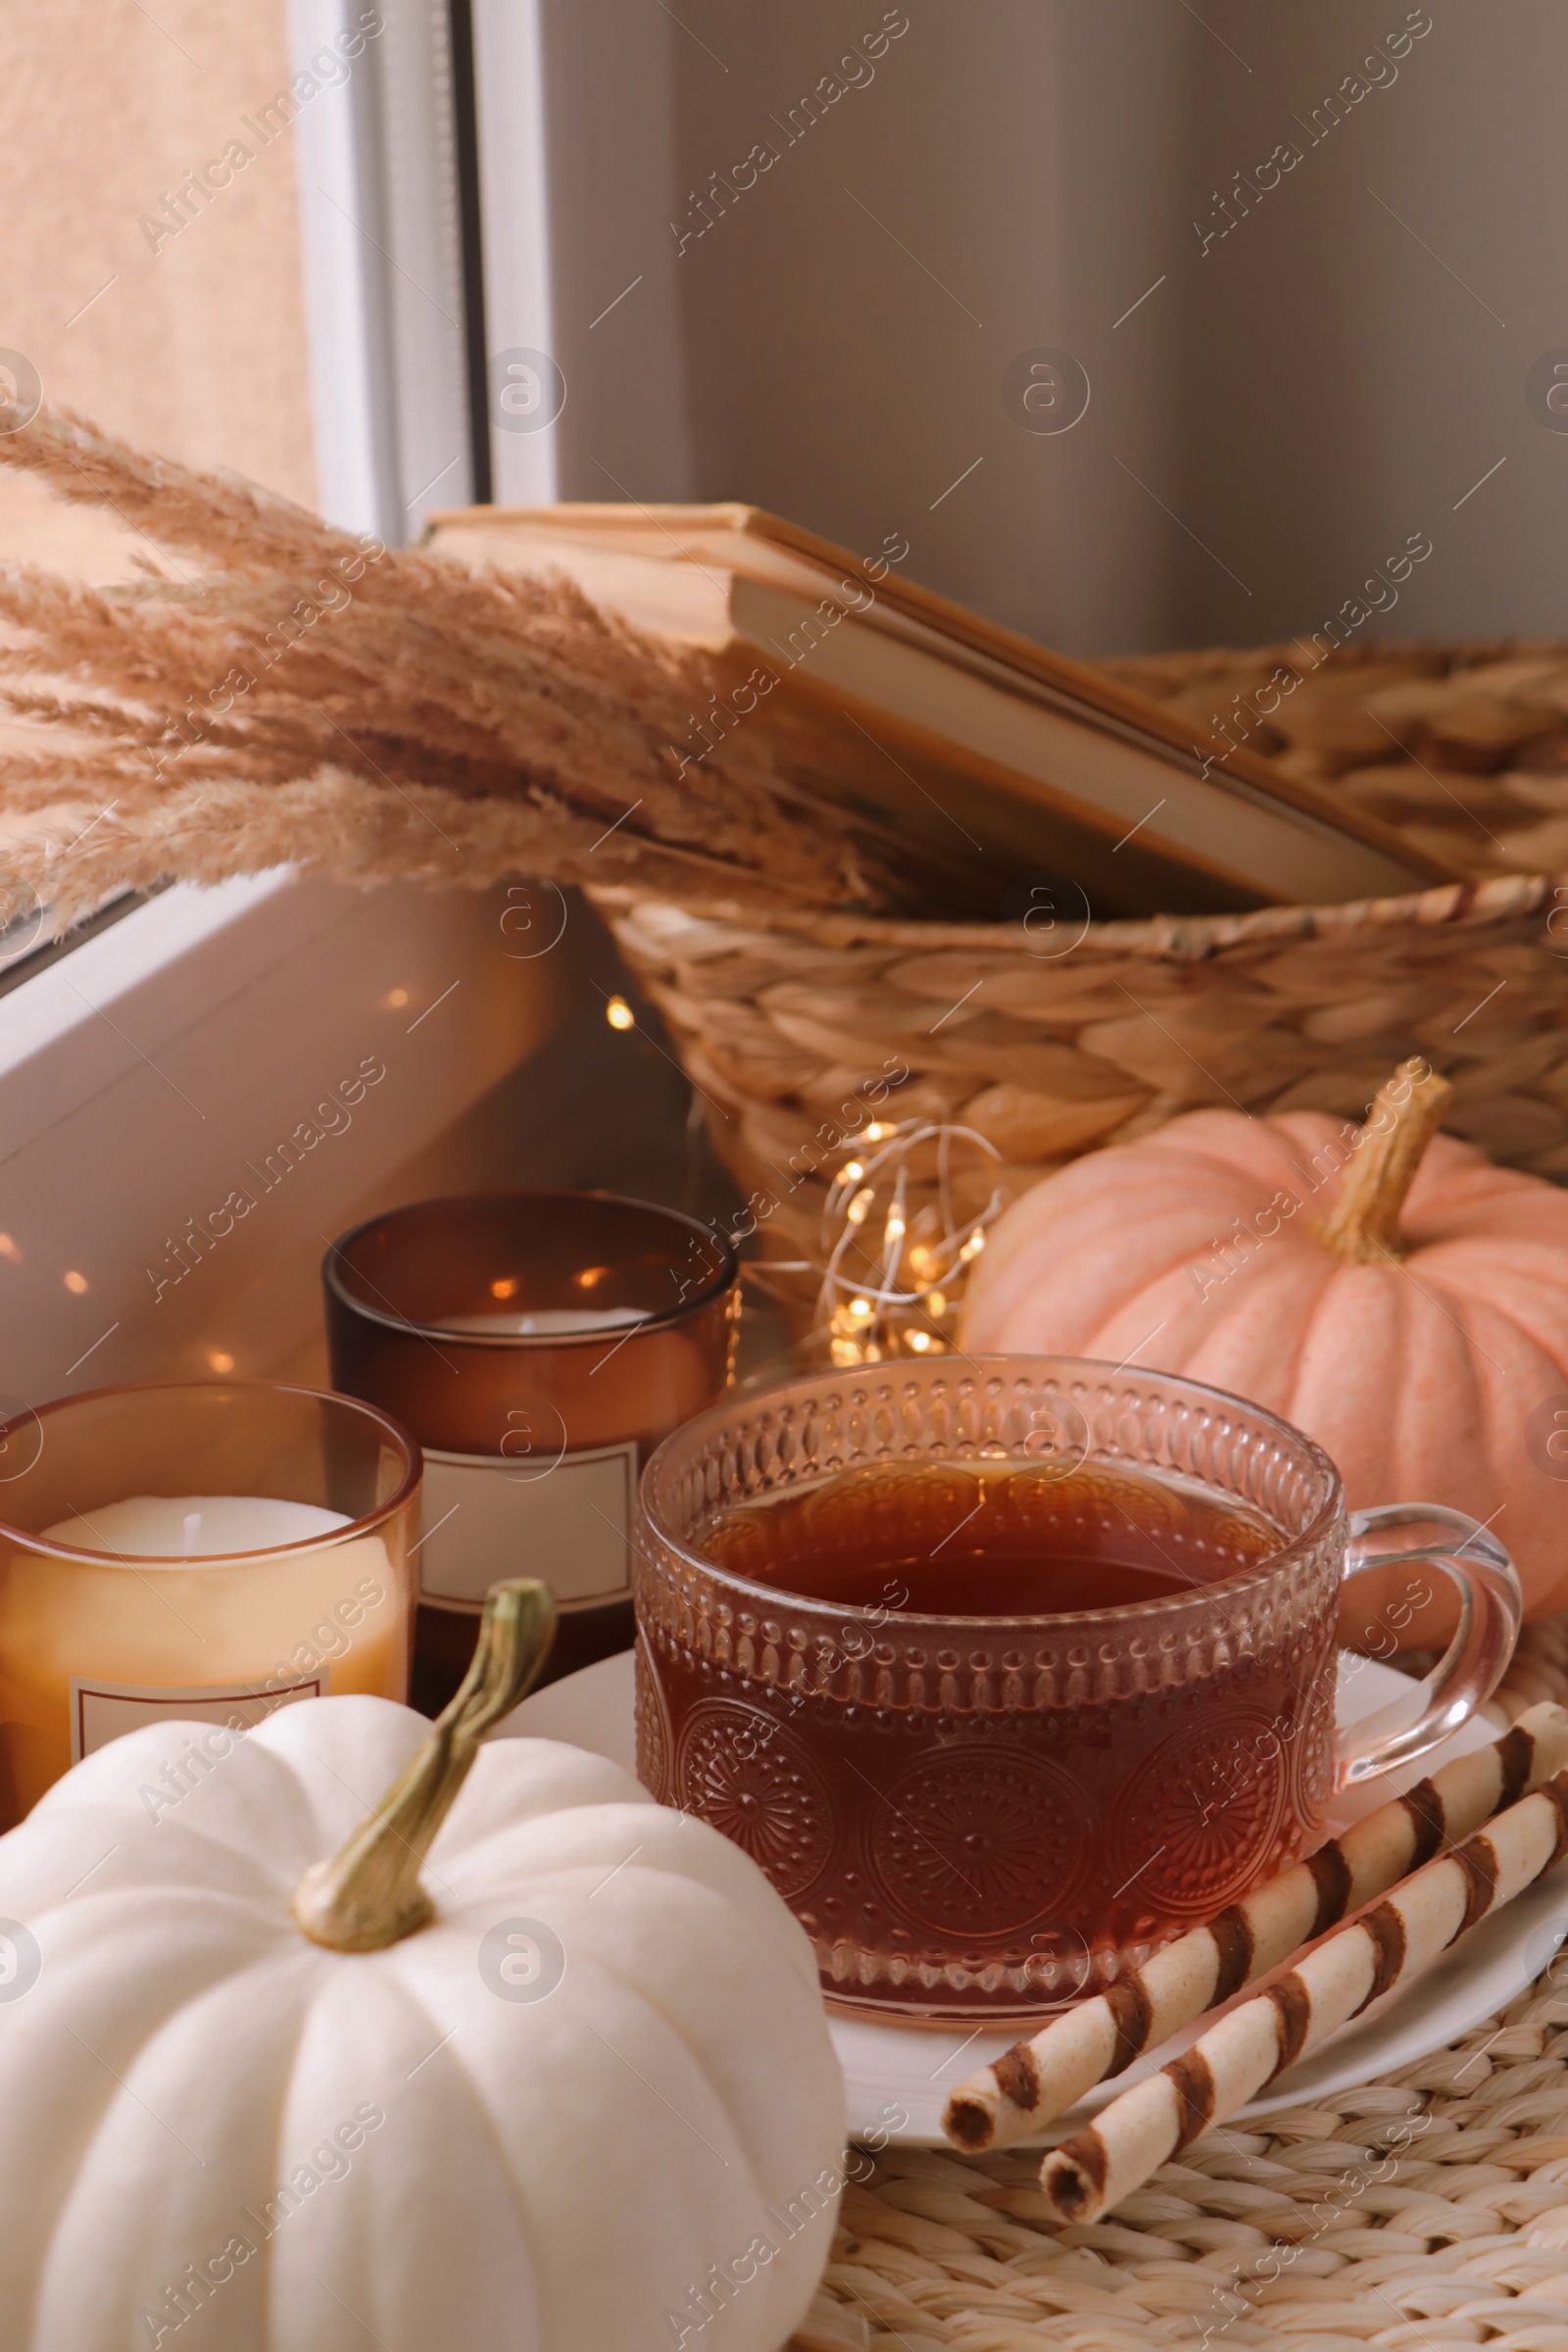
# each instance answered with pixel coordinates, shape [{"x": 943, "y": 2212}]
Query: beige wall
[
  {"x": 199, "y": 347},
  {"x": 1271, "y": 415}
]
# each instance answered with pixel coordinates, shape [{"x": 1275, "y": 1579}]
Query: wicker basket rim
[{"x": 1176, "y": 938}]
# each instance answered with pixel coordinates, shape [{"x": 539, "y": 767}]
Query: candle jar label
[
  {"x": 102, "y": 1711},
  {"x": 568, "y": 1521}
]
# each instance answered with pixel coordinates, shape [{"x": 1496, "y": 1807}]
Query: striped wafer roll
[
  {"x": 1231, "y": 2062},
  {"x": 1038, "y": 2079}
]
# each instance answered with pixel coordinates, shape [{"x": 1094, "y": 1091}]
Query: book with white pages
[{"x": 966, "y": 737}]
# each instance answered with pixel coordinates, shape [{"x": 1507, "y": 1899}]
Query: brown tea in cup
[
  {"x": 1005, "y": 1540},
  {"x": 996, "y": 1538},
  {"x": 1006, "y": 1671}
]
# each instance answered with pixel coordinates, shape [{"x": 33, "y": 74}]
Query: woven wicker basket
[
  {"x": 1462, "y": 746},
  {"x": 1050, "y": 1038}
]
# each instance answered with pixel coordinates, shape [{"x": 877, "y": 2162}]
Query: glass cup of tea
[{"x": 1008, "y": 1669}]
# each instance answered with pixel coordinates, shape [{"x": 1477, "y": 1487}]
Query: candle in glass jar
[
  {"x": 539, "y": 1346},
  {"x": 194, "y": 1551},
  {"x": 240, "y": 1629}
]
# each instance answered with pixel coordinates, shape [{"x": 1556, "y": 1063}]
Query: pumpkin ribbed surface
[
  {"x": 1195, "y": 1251},
  {"x": 217, "y": 2132}
]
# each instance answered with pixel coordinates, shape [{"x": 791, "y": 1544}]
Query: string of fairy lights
[
  {"x": 897, "y": 1243},
  {"x": 897, "y": 1248}
]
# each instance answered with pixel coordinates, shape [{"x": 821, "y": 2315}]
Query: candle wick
[{"x": 192, "y": 1526}]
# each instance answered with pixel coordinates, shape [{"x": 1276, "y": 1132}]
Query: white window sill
[{"x": 154, "y": 1072}]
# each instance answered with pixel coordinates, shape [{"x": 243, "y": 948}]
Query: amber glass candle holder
[
  {"x": 539, "y": 1346},
  {"x": 194, "y": 1551}
]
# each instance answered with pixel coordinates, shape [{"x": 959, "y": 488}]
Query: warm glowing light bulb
[
  {"x": 75, "y": 1283},
  {"x": 220, "y": 1360},
  {"x": 856, "y": 1212},
  {"x": 619, "y": 1014},
  {"x": 859, "y": 1308},
  {"x": 505, "y": 1288},
  {"x": 894, "y": 1226},
  {"x": 919, "y": 1341},
  {"x": 936, "y": 1302},
  {"x": 852, "y": 1173},
  {"x": 398, "y": 998},
  {"x": 876, "y": 1131}
]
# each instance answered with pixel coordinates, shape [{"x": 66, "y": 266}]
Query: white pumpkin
[{"x": 216, "y": 2130}]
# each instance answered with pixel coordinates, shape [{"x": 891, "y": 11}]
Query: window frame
[{"x": 172, "y": 991}]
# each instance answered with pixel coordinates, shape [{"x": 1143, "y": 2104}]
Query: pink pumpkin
[{"x": 1385, "y": 1288}]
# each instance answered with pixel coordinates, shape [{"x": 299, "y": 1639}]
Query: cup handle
[{"x": 1490, "y": 1609}]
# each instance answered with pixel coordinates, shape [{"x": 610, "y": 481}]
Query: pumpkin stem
[
  {"x": 1364, "y": 1224},
  {"x": 368, "y": 1895}
]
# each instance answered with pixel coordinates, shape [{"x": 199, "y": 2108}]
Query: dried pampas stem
[{"x": 319, "y": 699}]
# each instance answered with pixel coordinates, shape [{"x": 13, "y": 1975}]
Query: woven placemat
[{"x": 1424, "y": 2210}]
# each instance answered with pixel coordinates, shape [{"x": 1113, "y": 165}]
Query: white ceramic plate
[{"x": 907, "y": 2071}]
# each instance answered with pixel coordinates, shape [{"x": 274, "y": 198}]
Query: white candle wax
[
  {"x": 208, "y": 1610},
  {"x": 557, "y": 1321},
  {"x": 184, "y": 1527}
]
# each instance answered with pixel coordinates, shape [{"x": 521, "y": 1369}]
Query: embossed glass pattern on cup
[{"x": 990, "y": 1814}]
